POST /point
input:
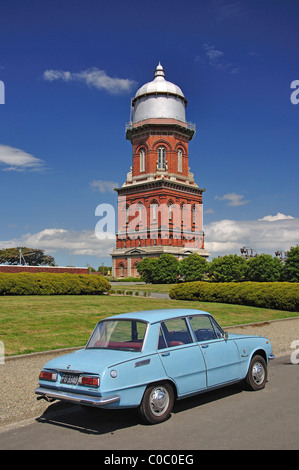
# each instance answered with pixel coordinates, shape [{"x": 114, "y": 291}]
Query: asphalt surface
[{"x": 229, "y": 418}]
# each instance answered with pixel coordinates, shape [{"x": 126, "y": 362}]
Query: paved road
[{"x": 229, "y": 418}]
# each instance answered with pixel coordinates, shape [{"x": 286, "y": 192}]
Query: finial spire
[{"x": 159, "y": 72}]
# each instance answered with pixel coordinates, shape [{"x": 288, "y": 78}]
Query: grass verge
[{"x": 39, "y": 323}]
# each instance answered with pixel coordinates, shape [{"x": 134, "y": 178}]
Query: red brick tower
[{"x": 159, "y": 205}]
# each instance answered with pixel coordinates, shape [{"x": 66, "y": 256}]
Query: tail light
[
  {"x": 48, "y": 375},
  {"x": 89, "y": 381}
]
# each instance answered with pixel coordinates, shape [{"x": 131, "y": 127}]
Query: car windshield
[{"x": 125, "y": 335}]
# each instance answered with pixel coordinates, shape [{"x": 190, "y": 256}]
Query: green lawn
[
  {"x": 165, "y": 288},
  {"x": 39, "y": 323}
]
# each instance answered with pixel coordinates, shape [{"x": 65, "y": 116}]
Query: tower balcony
[{"x": 132, "y": 127}]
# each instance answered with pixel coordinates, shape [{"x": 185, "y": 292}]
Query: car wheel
[
  {"x": 256, "y": 377},
  {"x": 157, "y": 403}
]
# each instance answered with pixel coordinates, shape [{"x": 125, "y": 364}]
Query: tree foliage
[
  {"x": 162, "y": 270},
  {"x": 32, "y": 257},
  {"x": 229, "y": 268},
  {"x": 291, "y": 267},
  {"x": 193, "y": 268},
  {"x": 147, "y": 268},
  {"x": 264, "y": 268}
]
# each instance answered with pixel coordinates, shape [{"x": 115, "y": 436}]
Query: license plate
[{"x": 70, "y": 379}]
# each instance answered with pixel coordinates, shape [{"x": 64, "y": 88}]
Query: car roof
[{"x": 154, "y": 316}]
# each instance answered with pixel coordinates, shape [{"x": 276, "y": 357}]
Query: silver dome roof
[
  {"x": 159, "y": 99},
  {"x": 159, "y": 85}
]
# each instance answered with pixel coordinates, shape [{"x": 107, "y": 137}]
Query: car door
[
  {"x": 220, "y": 354},
  {"x": 181, "y": 358}
]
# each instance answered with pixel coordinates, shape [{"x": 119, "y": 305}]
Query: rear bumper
[
  {"x": 76, "y": 397},
  {"x": 271, "y": 356}
]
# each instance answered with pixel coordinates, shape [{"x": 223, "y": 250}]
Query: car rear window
[{"x": 118, "y": 334}]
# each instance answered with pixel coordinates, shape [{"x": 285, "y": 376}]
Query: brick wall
[{"x": 41, "y": 269}]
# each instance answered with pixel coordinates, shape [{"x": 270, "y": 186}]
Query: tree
[
  {"x": 167, "y": 270},
  {"x": 229, "y": 268},
  {"x": 32, "y": 257},
  {"x": 104, "y": 270},
  {"x": 162, "y": 270},
  {"x": 291, "y": 266},
  {"x": 146, "y": 269},
  {"x": 193, "y": 268},
  {"x": 264, "y": 268}
]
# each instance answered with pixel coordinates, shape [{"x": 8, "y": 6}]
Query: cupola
[{"x": 159, "y": 99}]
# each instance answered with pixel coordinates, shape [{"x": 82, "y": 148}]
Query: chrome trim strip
[
  {"x": 142, "y": 363},
  {"x": 76, "y": 397}
]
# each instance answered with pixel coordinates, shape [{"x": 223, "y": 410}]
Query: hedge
[
  {"x": 276, "y": 295},
  {"x": 52, "y": 284}
]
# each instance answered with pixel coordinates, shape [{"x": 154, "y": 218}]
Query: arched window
[
  {"x": 154, "y": 206},
  {"x": 161, "y": 158},
  {"x": 142, "y": 212},
  {"x": 180, "y": 161},
  {"x": 122, "y": 269},
  {"x": 142, "y": 160},
  {"x": 194, "y": 211},
  {"x": 170, "y": 210},
  {"x": 127, "y": 213}
]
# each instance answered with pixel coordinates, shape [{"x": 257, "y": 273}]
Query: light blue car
[{"x": 147, "y": 360}]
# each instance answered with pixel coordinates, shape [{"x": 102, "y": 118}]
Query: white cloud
[
  {"x": 233, "y": 198},
  {"x": 278, "y": 216},
  {"x": 103, "y": 186},
  {"x": 228, "y": 236},
  {"x": 14, "y": 159},
  {"x": 216, "y": 59},
  {"x": 53, "y": 240},
  {"x": 94, "y": 78},
  {"x": 227, "y": 10},
  {"x": 209, "y": 211},
  {"x": 212, "y": 53}
]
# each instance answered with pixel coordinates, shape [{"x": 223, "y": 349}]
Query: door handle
[
  {"x": 204, "y": 346},
  {"x": 165, "y": 354}
]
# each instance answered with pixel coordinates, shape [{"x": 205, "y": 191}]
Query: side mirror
[{"x": 226, "y": 335}]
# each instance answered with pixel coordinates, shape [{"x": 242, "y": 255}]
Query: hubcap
[
  {"x": 258, "y": 373},
  {"x": 159, "y": 400}
]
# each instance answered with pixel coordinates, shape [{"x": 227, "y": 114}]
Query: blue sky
[{"x": 70, "y": 69}]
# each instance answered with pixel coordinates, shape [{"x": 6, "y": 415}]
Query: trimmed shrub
[
  {"x": 52, "y": 284},
  {"x": 276, "y": 295}
]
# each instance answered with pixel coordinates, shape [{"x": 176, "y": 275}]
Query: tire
[
  {"x": 256, "y": 377},
  {"x": 157, "y": 403}
]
